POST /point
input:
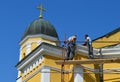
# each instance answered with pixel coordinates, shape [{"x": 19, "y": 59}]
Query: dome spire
[{"x": 41, "y": 9}]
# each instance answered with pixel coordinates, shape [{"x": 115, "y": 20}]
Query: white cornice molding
[
  {"x": 19, "y": 79},
  {"x": 29, "y": 59},
  {"x": 52, "y": 51},
  {"x": 44, "y": 50},
  {"x": 83, "y": 50},
  {"x": 38, "y": 36},
  {"x": 57, "y": 52},
  {"x": 109, "y": 52},
  {"x": 105, "y": 51},
  {"x": 39, "y": 70}
]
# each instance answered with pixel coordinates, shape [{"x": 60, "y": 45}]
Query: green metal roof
[{"x": 40, "y": 26}]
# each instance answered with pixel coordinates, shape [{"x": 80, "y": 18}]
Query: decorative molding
[
  {"x": 19, "y": 79},
  {"x": 45, "y": 49},
  {"x": 53, "y": 52},
  {"x": 40, "y": 36},
  {"x": 56, "y": 52},
  {"x": 24, "y": 45},
  {"x": 111, "y": 52},
  {"x": 37, "y": 42},
  {"x": 32, "y": 65},
  {"x": 40, "y": 70},
  {"x": 29, "y": 59}
]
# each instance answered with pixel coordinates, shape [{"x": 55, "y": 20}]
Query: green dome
[{"x": 40, "y": 26}]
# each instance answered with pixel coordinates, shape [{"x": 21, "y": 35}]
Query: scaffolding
[
  {"x": 99, "y": 61},
  {"x": 90, "y": 61}
]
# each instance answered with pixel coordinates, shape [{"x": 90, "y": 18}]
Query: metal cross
[{"x": 41, "y": 9}]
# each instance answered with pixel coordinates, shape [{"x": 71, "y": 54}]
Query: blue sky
[{"x": 93, "y": 17}]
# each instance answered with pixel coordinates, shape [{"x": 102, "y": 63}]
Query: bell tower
[{"x": 39, "y": 32}]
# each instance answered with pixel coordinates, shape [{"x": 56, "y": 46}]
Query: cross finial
[{"x": 41, "y": 9}]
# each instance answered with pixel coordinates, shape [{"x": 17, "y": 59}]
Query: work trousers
[
  {"x": 90, "y": 51},
  {"x": 70, "y": 51}
]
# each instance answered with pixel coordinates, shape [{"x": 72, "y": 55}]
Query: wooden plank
[{"x": 88, "y": 61}]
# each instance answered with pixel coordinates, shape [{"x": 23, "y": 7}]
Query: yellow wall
[
  {"x": 89, "y": 77},
  {"x": 55, "y": 76},
  {"x": 50, "y": 61},
  {"x": 39, "y": 39},
  {"x": 69, "y": 77},
  {"x": 34, "y": 44},
  {"x": 31, "y": 72},
  {"x": 102, "y": 42},
  {"x": 35, "y": 78},
  {"x": 111, "y": 77},
  {"x": 23, "y": 52},
  {"x": 115, "y": 39}
]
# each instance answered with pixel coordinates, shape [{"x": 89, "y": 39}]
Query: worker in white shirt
[
  {"x": 71, "y": 47},
  {"x": 88, "y": 43}
]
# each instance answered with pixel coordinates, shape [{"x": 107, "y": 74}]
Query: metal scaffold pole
[{"x": 63, "y": 57}]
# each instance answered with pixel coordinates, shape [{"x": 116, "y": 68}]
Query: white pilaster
[
  {"x": 78, "y": 73},
  {"x": 19, "y": 74},
  {"x": 20, "y": 57},
  {"x": 28, "y": 48},
  {"x": 45, "y": 75},
  {"x": 19, "y": 79}
]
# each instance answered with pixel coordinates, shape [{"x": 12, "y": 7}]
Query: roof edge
[{"x": 108, "y": 34}]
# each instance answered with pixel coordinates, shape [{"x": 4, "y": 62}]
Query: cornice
[
  {"x": 43, "y": 49},
  {"x": 56, "y": 51},
  {"x": 38, "y": 36},
  {"x": 39, "y": 70}
]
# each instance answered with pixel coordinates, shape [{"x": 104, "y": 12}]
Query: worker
[
  {"x": 71, "y": 45},
  {"x": 88, "y": 43}
]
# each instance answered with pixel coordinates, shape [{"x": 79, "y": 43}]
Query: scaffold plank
[{"x": 88, "y": 61}]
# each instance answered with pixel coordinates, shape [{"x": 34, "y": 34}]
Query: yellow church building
[{"x": 40, "y": 49}]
